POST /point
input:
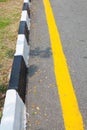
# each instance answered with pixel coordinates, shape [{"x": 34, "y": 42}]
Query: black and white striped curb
[{"x": 14, "y": 112}]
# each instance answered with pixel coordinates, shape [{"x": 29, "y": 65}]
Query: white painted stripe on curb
[
  {"x": 22, "y": 48},
  {"x": 24, "y": 17},
  {"x": 14, "y": 112}
]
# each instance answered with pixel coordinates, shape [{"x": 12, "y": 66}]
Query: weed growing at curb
[{"x": 10, "y": 53}]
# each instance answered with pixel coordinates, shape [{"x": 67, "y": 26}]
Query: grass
[
  {"x": 4, "y": 22},
  {"x": 3, "y": 0},
  {"x": 10, "y": 53},
  {"x": 10, "y": 13},
  {"x": 2, "y": 96},
  {"x": 0, "y": 115},
  {"x": 2, "y": 89}
]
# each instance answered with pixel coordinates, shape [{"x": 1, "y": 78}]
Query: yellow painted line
[{"x": 71, "y": 113}]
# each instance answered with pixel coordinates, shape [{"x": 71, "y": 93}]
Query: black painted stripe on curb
[
  {"x": 18, "y": 76},
  {"x": 23, "y": 29},
  {"x": 26, "y": 7}
]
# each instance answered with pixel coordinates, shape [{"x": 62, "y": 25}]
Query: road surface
[{"x": 57, "y": 93}]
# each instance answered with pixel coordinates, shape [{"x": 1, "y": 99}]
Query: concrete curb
[{"x": 14, "y": 112}]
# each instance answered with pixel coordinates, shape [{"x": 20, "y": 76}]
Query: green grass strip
[{"x": 4, "y": 22}]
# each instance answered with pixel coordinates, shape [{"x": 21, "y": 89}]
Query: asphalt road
[{"x": 42, "y": 99}]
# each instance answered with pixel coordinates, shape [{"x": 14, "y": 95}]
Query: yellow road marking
[{"x": 71, "y": 113}]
